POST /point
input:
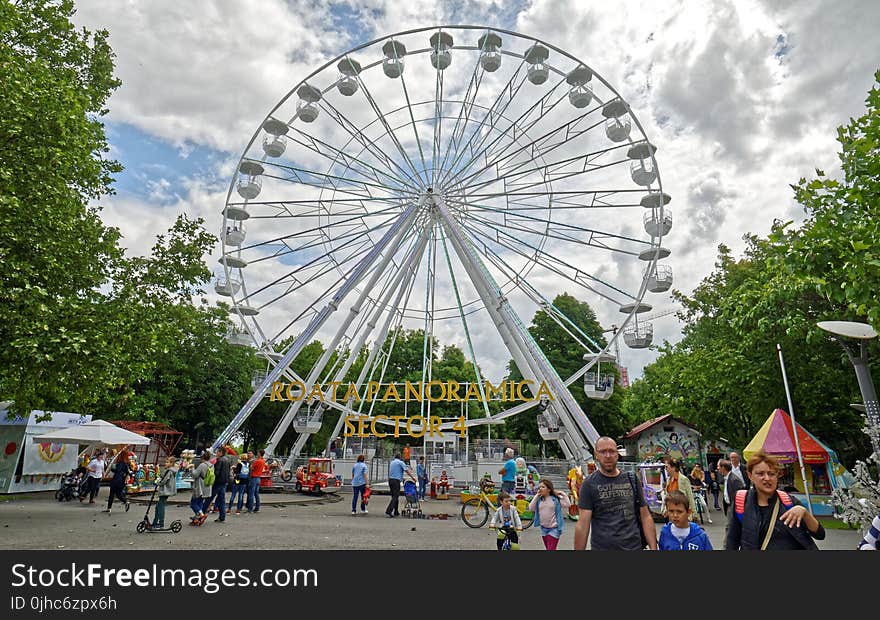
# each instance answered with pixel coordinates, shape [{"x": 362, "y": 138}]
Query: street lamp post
[{"x": 862, "y": 332}]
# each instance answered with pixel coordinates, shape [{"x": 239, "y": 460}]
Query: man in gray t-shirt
[{"x": 607, "y": 503}]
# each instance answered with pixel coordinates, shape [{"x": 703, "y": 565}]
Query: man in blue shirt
[
  {"x": 422, "y": 475},
  {"x": 395, "y": 480},
  {"x": 508, "y": 472}
]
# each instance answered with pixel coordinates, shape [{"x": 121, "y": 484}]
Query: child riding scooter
[{"x": 166, "y": 486}]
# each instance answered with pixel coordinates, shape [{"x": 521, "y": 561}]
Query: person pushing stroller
[{"x": 507, "y": 520}]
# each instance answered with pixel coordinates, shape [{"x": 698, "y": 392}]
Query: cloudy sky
[{"x": 741, "y": 99}]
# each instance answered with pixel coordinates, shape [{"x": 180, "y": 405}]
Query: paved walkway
[{"x": 290, "y": 522}]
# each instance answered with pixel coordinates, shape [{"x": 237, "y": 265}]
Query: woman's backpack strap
[{"x": 739, "y": 504}]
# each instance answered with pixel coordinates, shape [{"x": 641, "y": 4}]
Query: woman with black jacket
[
  {"x": 121, "y": 471},
  {"x": 765, "y": 518}
]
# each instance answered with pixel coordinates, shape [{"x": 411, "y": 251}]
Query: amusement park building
[{"x": 669, "y": 436}]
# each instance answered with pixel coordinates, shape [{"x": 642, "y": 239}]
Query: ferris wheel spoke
[
  {"x": 428, "y": 330},
  {"x": 551, "y": 263},
  {"x": 563, "y": 200},
  {"x": 352, "y": 163},
  {"x": 464, "y": 113},
  {"x": 396, "y": 316},
  {"x": 481, "y": 149},
  {"x": 357, "y": 239},
  {"x": 412, "y": 119},
  {"x": 322, "y": 264},
  {"x": 374, "y": 149},
  {"x": 518, "y": 239},
  {"x": 505, "y": 96},
  {"x": 467, "y": 333},
  {"x": 329, "y": 291},
  {"x": 317, "y": 236},
  {"x": 514, "y": 217},
  {"x": 318, "y": 207},
  {"x": 335, "y": 183},
  {"x": 438, "y": 123},
  {"x": 322, "y": 229},
  {"x": 596, "y": 240},
  {"x": 538, "y": 298},
  {"x": 390, "y": 132},
  {"x": 539, "y": 147},
  {"x": 554, "y": 171}
]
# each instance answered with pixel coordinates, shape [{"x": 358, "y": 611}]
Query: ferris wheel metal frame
[{"x": 427, "y": 209}]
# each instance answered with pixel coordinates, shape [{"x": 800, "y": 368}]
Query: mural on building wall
[{"x": 682, "y": 444}]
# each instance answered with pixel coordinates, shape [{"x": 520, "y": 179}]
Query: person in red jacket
[{"x": 258, "y": 470}]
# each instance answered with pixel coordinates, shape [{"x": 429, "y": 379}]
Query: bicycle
[
  {"x": 475, "y": 511},
  {"x": 701, "y": 493}
]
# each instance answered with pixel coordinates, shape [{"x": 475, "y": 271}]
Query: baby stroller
[
  {"x": 412, "y": 508},
  {"x": 69, "y": 487}
]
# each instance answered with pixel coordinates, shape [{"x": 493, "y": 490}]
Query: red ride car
[{"x": 317, "y": 476}]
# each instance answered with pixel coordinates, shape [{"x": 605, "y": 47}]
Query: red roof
[{"x": 641, "y": 428}]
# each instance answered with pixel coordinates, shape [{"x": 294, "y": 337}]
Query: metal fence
[{"x": 463, "y": 473}]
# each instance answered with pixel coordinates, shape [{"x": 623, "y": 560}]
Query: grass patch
[{"x": 830, "y": 523}]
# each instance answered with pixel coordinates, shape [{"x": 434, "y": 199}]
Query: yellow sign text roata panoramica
[{"x": 433, "y": 391}]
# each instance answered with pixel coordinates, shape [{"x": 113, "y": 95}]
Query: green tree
[
  {"x": 85, "y": 327},
  {"x": 837, "y": 249},
  {"x": 566, "y": 356},
  {"x": 724, "y": 377},
  {"x": 55, "y": 250}
]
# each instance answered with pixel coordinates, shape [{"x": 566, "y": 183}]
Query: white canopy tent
[{"x": 97, "y": 434}]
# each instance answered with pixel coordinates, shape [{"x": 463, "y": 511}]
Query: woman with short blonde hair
[{"x": 765, "y": 518}]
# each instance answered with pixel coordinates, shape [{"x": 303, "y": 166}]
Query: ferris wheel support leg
[
  {"x": 396, "y": 231},
  {"x": 491, "y": 296},
  {"x": 340, "y": 332},
  {"x": 407, "y": 269},
  {"x": 298, "y": 445},
  {"x": 566, "y": 450},
  {"x": 530, "y": 354}
]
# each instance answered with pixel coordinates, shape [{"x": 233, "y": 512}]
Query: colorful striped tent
[
  {"x": 777, "y": 439},
  {"x": 824, "y": 470}
]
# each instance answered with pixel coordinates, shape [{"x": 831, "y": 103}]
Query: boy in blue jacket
[{"x": 680, "y": 534}]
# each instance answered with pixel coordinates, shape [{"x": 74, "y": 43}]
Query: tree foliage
[
  {"x": 85, "y": 327},
  {"x": 566, "y": 356},
  {"x": 837, "y": 250},
  {"x": 55, "y": 250},
  {"x": 724, "y": 376}
]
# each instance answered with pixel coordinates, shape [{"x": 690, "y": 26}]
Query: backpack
[
  {"x": 739, "y": 503},
  {"x": 245, "y": 472},
  {"x": 638, "y": 511},
  {"x": 209, "y": 476}
]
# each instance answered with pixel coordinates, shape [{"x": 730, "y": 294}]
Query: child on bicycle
[{"x": 507, "y": 520}]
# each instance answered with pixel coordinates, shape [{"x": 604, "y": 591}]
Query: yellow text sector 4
[{"x": 415, "y": 426}]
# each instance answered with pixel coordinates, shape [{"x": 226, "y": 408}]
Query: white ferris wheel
[{"x": 452, "y": 179}]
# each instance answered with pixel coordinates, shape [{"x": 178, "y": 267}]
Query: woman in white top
[{"x": 95, "y": 470}]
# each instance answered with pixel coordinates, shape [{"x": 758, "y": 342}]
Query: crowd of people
[
  {"x": 759, "y": 515},
  {"x": 611, "y": 506},
  {"x": 240, "y": 475}
]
